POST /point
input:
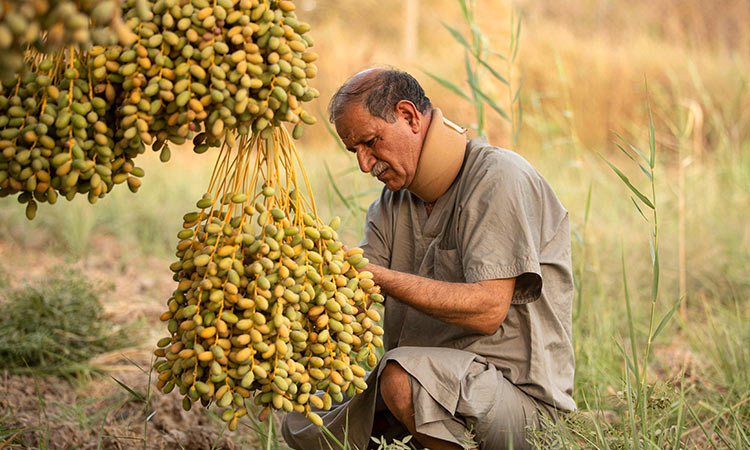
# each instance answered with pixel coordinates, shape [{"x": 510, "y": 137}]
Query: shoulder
[{"x": 496, "y": 168}]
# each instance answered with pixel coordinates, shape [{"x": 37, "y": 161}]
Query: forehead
[{"x": 356, "y": 123}]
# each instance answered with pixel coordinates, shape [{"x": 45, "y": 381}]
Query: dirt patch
[
  {"x": 94, "y": 411},
  {"x": 55, "y": 413}
]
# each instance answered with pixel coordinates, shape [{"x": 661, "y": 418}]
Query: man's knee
[{"x": 396, "y": 390}]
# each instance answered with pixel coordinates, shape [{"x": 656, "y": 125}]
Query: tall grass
[
  {"x": 640, "y": 430},
  {"x": 480, "y": 59}
]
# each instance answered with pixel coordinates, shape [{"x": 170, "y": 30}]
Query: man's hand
[{"x": 480, "y": 306}]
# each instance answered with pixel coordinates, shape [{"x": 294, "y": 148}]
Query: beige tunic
[{"x": 499, "y": 219}]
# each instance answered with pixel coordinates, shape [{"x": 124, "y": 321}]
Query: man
[{"x": 472, "y": 249}]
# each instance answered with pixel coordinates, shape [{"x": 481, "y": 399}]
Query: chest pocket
[{"x": 448, "y": 265}]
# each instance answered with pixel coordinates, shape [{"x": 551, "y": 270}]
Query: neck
[{"x": 440, "y": 160}]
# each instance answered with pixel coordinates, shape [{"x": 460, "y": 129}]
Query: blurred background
[{"x": 585, "y": 73}]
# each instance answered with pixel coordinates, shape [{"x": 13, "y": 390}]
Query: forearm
[{"x": 480, "y": 306}]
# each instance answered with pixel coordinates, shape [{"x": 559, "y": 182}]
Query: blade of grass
[
  {"x": 101, "y": 432},
  {"x": 634, "y": 431},
  {"x": 723, "y": 438},
  {"x": 476, "y": 38},
  {"x": 651, "y": 134},
  {"x": 582, "y": 240},
  {"x": 490, "y": 102},
  {"x": 331, "y": 436},
  {"x": 471, "y": 78},
  {"x": 448, "y": 85},
  {"x": 666, "y": 318},
  {"x": 643, "y": 169},
  {"x": 333, "y": 134},
  {"x": 632, "y": 147},
  {"x": 625, "y": 180},
  {"x": 738, "y": 426},
  {"x": 679, "y": 428},
  {"x": 464, "y": 9},
  {"x": 493, "y": 71},
  {"x": 655, "y": 282},
  {"x": 635, "y": 203},
  {"x": 496, "y": 53},
  {"x": 137, "y": 395},
  {"x": 516, "y": 37},
  {"x": 346, "y": 429},
  {"x": 700, "y": 425},
  {"x": 133, "y": 363},
  {"x": 597, "y": 424},
  {"x": 517, "y": 95},
  {"x": 364, "y": 193},
  {"x": 147, "y": 403},
  {"x": 457, "y": 36},
  {"x": 631, "y": 328},
  {"x": 13, "y": 436},
  {"x": 354, "y": 209},
  {"x": 630, "y": 364},
  {"x": 729, "y": 409}
]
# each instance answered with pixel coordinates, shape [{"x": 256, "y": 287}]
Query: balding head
[
  {"x": 363, "y": 76},
  {"x": 379, "y": 91}
]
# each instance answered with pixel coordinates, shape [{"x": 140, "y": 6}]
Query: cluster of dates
[
  {"x": 73, "y": 122},
  {"x": 268, "y": 305}
]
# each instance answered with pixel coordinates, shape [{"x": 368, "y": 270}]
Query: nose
[{"x": 365, "y": 159}]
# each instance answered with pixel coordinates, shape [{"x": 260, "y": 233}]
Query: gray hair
[{"x": 380, "y": 94}]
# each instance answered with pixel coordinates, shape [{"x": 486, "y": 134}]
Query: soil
[
  {"x": 54, "y": 413},
  {"x": 94, "y": 411}
]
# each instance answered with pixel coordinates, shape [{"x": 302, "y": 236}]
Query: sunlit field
[{"x": 596, "y": 79}]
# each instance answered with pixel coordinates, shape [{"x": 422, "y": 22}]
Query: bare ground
[{"x": 94, "y": 411}]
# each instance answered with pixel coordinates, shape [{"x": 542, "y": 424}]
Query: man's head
[{"x": 382, "y": 115}]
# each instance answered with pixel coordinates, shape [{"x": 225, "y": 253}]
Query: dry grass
[{"x": 605, "y": 50}]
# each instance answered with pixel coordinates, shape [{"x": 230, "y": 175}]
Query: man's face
[{"x": 388, "y": 151}]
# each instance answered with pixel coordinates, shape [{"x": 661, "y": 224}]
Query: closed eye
[{"x": 369, "y": 143}]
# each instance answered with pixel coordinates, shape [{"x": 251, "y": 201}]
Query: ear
[{"x": 406, "y": 110}]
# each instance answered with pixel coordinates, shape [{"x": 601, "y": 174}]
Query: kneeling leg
[{"x": 396, "y": 392}]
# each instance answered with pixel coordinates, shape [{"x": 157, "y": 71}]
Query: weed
[{"x": 54, "y": 325}]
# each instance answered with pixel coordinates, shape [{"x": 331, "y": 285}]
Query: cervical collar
[{"x": 441, "y": 158}]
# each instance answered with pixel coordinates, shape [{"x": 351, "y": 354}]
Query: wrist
[{"x": 379, "y": 273}]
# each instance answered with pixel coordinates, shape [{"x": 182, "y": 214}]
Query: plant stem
[
  {"x": 654, "y": 285},
  {"x": 269, "y": 438}
]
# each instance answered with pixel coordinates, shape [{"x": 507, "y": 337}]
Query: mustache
[{"x": 378, "y": 168}]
